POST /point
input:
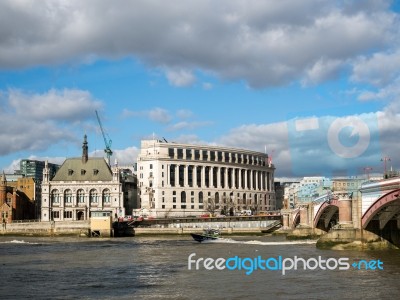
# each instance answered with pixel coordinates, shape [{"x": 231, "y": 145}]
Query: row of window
[
  {"x": 83, "y": 172},
  {"x": 219, "y": 156},
  {"x": 80, "y": 195}
]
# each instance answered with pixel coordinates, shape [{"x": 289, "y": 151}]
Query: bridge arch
[
  {"x": 327, "y": 213},
  {"x": 383, "y": 210}
]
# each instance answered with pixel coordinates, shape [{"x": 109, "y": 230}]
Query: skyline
[{"x": 313, "y": 83}]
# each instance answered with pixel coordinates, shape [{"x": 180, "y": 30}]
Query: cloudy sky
[{"x": 314, "y": 83}]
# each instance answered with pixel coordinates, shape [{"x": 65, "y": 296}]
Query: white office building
[{"x": 187, "y": 180}]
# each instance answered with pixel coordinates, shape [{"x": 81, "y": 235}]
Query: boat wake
[
  {"x": 19, "y": 242},
  {"x": 231, "y": 241}
]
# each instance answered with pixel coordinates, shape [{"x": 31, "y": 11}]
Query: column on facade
[
  {"x": 219, "y": 170},
  {"x": 240, "y": 179},
  {"x": 176, "y": 175},
  {"x": 234, "y": 178},
  {"x": 203, "y": 176},
  {"x": 256, "y": 177},
  {"x": 251, "y": 180},
  {"x": 264, "y": 180},
  {"x": 168, "y": 183},
  {"x": 226, "y": 178},
  {"x": 211, "y": 176},
  {"x": 185, "y": 175},
  {"x": 194, "y": 176}
]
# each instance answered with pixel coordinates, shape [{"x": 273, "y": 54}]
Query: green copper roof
[{"x": 73, "y": 169}]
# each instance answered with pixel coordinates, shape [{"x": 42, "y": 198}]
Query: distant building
[
  {"x": 34, "y": 168},
  {"x": 85, "y": 185},
  {"x": 290, "y": 190},
  {"x": 279, "y": 195},
  {"x": 181, "y": 180},
  {"x": 14, "y": 203},
  {"x": 311, "y": 188}
]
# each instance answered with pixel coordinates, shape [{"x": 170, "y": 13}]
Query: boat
[{"x": 207, "y": 235}]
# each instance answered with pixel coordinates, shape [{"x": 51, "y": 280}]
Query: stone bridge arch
[
  {"x": 383, "y": 217},
  {"x": 296, "y": 219},
  {"x": 327, "y": 215}
]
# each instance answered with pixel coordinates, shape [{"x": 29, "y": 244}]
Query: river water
[{"x": 157, "y": 268}]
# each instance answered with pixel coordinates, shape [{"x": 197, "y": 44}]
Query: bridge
[{"x": 374, "y": 209}]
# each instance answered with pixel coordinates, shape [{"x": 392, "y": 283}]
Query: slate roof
[{"x": 73, "y": 169}]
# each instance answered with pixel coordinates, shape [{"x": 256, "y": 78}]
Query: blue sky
[{"x": 233, "y": 73}]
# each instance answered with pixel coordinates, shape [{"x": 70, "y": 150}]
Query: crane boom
[{"x": 107, "y": 142}]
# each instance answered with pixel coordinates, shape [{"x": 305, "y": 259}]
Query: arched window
[
  {"x": 68, "y": 196},
  {"x": 106, "y": 197},
  {"x": 55, "y": 196},
  {"x": 81, "y": 196},
  {"x": 93, "y": 196}
]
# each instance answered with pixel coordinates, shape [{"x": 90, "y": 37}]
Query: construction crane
[{"x": 107, "y": 140}]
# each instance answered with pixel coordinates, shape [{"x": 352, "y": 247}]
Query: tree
[{"x": 210, "y": 205}]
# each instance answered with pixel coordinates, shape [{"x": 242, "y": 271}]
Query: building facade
[
  {"x": 14, "y": 204},
  {"x": 186, "y": 180},
  {"x": 82, "y": 186}
]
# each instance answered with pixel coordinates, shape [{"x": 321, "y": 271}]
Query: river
[{"x": 158, "y": 268}]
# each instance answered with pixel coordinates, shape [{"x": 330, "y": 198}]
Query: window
[
  {"x": 83, "y": 172},
  {"x": 70, "y": 172},
  {"x": 93, "y": 196},
  {"x": 81, "y": 196},
  {"x": 55, "y": 215},
  {"x": 67, "y": 214},
  {"x": 106, "y": 197},
  {"x": 68, "y": 196},
  {"x": 151, "y": 167},
  {"x": 55, "y": 197},
  {"x": 95, "y": 172}
]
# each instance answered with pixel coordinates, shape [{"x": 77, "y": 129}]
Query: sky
[{"x": 313, "y": 83}]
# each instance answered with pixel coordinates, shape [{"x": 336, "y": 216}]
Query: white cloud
[
  {"x": 71, "y": 105},
  {"x": 156, "y": 114},
  {"x": 180, "y": 78},
  {"x": 184, "y": 114},
  {"x": 321, "y": 71},
  {"x": 265, "y": 43},
  {"x": 37, "y": 121},
  {"x": 127, "y": 156},
  {"x": 184, "y": 125},
  {"x": 379, "y": 70}
]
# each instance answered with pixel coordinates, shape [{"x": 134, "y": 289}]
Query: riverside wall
[
  {"x": 47, "y": 228},
  {"x": 82, "y": 228}
]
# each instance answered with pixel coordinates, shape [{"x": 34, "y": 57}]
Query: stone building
[
  {"x": 185, "y": 180},
  {"x": 14, "y": 203},
  {"x": 84, "y": 185}
]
